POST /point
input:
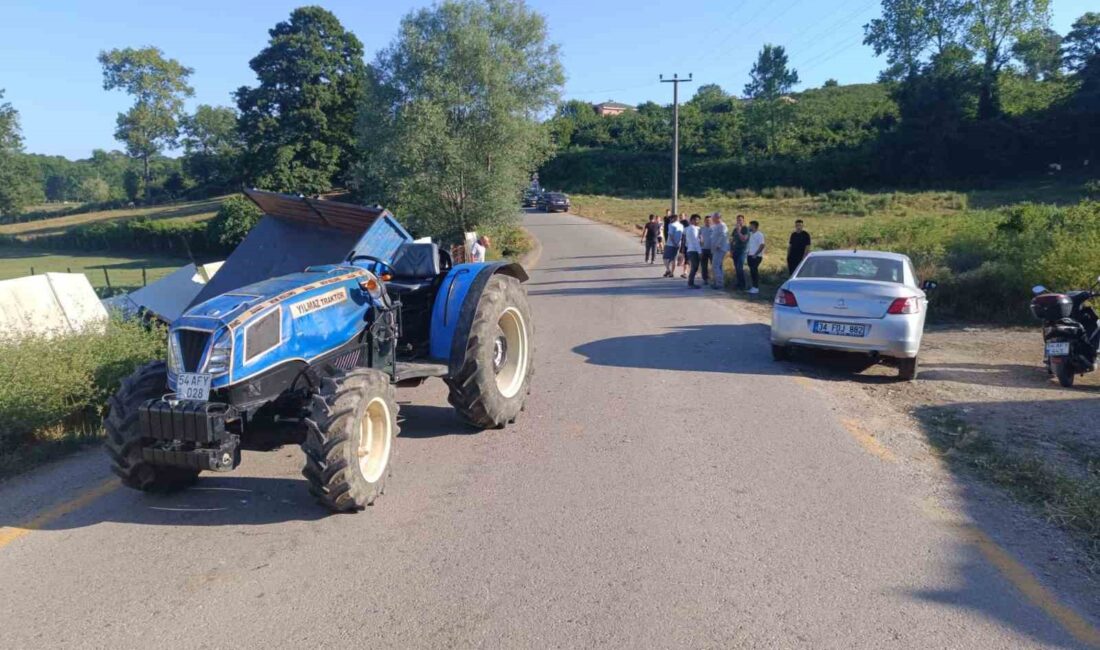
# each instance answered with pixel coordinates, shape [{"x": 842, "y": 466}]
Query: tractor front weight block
[{"x": 190, "y": 435}]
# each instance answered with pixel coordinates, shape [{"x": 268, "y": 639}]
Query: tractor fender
[{"x": 455, "y": 306}]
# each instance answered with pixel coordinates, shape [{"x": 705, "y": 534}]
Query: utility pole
[{"x": 675, "y": 81}]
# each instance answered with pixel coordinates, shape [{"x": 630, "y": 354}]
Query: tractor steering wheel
[{"x": 369, "y": 258}]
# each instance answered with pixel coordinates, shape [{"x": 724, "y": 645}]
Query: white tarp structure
[
  {"x": 168, "y": 297},
  {"x": 49, "y": 305}
]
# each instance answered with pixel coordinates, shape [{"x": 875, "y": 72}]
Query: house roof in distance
[{"x": 611, "y": 104}]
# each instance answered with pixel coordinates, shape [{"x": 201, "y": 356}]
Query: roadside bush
[
  {"x": 236, "y": 216},
  {"x": 62, "y": 384},
  {"x": 1092, "y": 189},
  {"x": 509, "y": 240},
  {"x": 782, "y": 192},
  {"x": 855, "y": 203},
  {"x": 987, "y": 261}
]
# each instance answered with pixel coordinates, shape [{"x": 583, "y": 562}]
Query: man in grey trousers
[{"x": 719, "y": 246}]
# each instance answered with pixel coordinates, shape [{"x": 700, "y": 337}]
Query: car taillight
[
  {"x": 785, "y": 298},
  {"x": 904, "y": 306}
]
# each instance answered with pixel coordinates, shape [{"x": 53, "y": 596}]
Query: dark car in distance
[
  {"x": 530, "y": 198},
  {"x": 553, "y": 202}
]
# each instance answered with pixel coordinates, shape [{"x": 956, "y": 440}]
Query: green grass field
[
  {"x": 776, "y": 216},
  {"x": 190, "y": 211},
  {"x": 124, "y": 272},
  {"x": 985, "y": 271}
]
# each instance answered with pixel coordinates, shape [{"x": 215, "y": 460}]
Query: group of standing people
[{"x": 695, "y": 247}]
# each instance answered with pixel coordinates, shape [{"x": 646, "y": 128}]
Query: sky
[{"x": 611, "y": 49}]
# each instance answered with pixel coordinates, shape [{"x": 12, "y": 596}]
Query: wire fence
[{"x": 106, "y": 279}]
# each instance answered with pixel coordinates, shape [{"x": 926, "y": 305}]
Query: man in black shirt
[
  {"x": 798, "y": 246},
  {"x": 650, "y": 232}
]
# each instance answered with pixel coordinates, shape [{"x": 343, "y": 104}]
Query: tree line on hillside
[
  {"x": 974, "y": 91},
  {"x": 441, "y": 126}
]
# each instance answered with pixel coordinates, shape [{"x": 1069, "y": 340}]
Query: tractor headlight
[
  {"x": 375, "y": 289},
  {"x": 217, "y": 362},
  {"x": 175, "y": 357}
]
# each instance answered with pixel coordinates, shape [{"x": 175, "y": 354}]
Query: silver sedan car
[{"x": 858, "y": 301}]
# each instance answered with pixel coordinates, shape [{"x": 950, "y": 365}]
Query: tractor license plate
[
  {"x": 1058, "y": 349},
  {"x": 193, "y": 386},
  {"x": 839, "y": 329}
]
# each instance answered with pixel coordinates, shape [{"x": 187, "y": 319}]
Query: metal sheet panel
[
  {"x": 383, "y": 240},
  {"x": 347, "y": 217},
  {"x": 170, "y": 295},
  {"x": 274, "y": 247}
]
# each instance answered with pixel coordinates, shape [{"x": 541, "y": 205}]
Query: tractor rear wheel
[
  {"x": 490, "y": 389},
  {"x": 124, "y": 435},
  {"x": 349, "y": 444}
]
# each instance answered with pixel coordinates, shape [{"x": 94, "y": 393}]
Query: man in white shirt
[
  {"x": 707, "y": 252},
  {"x": 719, "y": 246},
  {"x": 756, "y": 254},
  {"x": 477, "y": 251},
  {"x": 693, "y": 247},
  {"x": 673, "y": 240}
]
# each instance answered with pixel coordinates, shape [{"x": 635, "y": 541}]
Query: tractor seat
[{"x": 414, "y": 267}]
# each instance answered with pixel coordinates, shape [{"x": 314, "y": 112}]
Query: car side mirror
[
  {"x": 929, "y": 285},
  {"x": 1038, "y": 289}
]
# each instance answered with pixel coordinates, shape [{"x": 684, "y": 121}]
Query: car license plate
[
  {"x": 839, "y": 329},
  {"x": 193, "y": 386},
  {"x": 1058, "y": 349}
]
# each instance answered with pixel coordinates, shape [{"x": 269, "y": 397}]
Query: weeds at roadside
[{"x": 1070, "y": 502}]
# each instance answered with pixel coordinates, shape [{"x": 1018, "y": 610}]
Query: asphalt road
[{"x": 667, "y": 486}]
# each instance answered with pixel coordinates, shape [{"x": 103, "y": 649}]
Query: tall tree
[
  {"x": 710, "y": 97},
  {"x": 211, "y": 145},
  {"x": 450, "y": 131},
  {"x": 901, "y": 34},
  {"x": 298, "y": 124},
  {"x": 909, "y": 28},
  {"x": 1039, "y": 53},
  {"x": 770, "y": 77},
  {"x": 1082, "y": 43},
  {"x": 16, "y": 188},
  {"x": 158, "y": 86},
  {"x": 995, "y": 27}
]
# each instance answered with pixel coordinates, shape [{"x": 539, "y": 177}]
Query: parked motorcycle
[{"x": 1071, "y": 331}]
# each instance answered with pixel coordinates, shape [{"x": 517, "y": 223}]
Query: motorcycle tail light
[{"x": 904, "y": 306}]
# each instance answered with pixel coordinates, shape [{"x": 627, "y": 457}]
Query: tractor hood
[{"x": 295, "y": 317}]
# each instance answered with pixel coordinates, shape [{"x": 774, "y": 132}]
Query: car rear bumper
[{"x": 892, "y": 336}]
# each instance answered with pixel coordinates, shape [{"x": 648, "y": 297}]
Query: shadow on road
[
  {"x": 699, "y": 348},
  {"x": 419, "y": 421},
  {"x": 235, "y": 500}
]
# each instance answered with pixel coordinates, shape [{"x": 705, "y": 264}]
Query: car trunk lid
[{"x": 846, "y": 298}]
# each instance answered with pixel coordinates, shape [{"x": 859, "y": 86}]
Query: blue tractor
[{"x": 301, "y": 338}]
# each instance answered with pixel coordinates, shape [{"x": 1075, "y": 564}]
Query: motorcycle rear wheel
[{"x": 1064, "y": 372}]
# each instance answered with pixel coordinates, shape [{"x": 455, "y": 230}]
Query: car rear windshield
[
  {"x": 556, "y": 197},
  {"x": 852, "y": 267}
]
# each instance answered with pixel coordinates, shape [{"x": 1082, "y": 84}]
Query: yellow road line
[
  {"x": 868, "y": 441},
  {"x": 1019, "y": 575},
  {"x": 9, "y": 534}
]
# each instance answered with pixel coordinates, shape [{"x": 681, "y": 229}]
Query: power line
[
  {"x": 813, "y": 26},
  {"x": 833, "y": 27},
  {"x": 835, "y": 53}
]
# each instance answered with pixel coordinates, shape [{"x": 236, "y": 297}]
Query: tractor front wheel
[
  {"x": 124, "y": 435},
  {"x": 490, "y": 389},
  {"x": 350, "y": 442}
]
